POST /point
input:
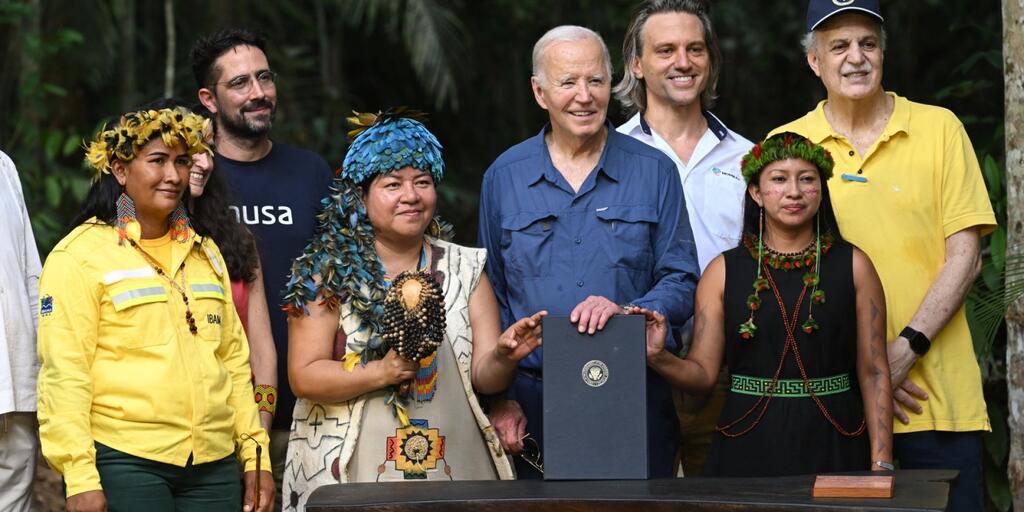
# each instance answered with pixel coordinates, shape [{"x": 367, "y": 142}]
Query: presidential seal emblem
[{"x": 595, "y": 373}]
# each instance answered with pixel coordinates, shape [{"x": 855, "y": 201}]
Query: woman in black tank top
[{"x": 799, "y": 316}]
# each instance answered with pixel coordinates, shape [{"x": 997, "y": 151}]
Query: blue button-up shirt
[{"x": 623, "y": 236}]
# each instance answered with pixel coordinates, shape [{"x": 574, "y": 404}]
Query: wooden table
[{"x": 915, "y": 490}]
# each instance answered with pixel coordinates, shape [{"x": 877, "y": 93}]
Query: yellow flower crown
[{"x": 135, "y": 129}]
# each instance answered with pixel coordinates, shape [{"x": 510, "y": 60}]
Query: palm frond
[
  {"x": 987, "y": 306},
  {"x": 430, "y": 33}
]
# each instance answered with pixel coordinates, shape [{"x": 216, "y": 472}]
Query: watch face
[{"x": 919, "y": 344}]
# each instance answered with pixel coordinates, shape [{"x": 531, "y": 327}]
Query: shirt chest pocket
[
  {"x": 208, "y": 307},
  {"x": 142, "y": 314},
  {"x": 722, "y": 207},
  {"x": 628, "y": 234},
  {"x": 527, "y": 240}
]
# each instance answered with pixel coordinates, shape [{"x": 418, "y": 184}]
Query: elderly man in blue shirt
[{"x": 581, "y": 220}]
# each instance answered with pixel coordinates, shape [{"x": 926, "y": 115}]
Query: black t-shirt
[{"x": 278, "y": 198}]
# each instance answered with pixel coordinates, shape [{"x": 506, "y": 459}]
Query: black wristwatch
[{"x": 919, "y": 343}]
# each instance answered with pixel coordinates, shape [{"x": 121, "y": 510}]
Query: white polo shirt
[
  {"x": 712, "y": 183},
  {"x": 19, "y": 296}
]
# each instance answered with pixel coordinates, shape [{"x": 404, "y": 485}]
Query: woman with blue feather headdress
[{"x": 393, "y": 329}]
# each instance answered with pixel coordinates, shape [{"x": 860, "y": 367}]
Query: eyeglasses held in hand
[{"x": 531, "y": 453}]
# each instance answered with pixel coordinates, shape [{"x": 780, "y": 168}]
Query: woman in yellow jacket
[{"x": 144, "y": 392}]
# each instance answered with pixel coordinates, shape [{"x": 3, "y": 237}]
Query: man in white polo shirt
[
  {"x": 19, "y": 296},
  {"x": 672, "y": 63}
]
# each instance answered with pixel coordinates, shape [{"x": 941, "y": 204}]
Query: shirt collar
[
  {"x": 547, "y": 169},
  {"x": 820, "y": 129},
  {"x": 716, "y": 126}
]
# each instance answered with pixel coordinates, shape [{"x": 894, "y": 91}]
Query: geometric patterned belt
[{"x": 790, "y": 388}]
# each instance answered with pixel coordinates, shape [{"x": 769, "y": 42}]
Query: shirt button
[
  {"x": 579, "y": 283},
  {"x": 851, "y": 152},
  {"x": 578, "y": 240}
]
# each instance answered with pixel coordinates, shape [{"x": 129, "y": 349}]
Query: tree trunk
[
  {"x": 171, "y": 49},
  {"x": 1013, "y": 73}
]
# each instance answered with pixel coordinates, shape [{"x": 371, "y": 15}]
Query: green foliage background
[{"x": 66, "y": 67}]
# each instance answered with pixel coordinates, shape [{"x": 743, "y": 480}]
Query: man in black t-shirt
[{"x": 276, "y": 188}]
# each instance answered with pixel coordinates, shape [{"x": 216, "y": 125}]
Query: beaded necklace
[
  {"x": 189, "y": 318},
  {"x": 413, "y": 324},
  {"x": 809, "y": 258}
]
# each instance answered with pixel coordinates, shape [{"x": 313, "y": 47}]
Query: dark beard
[{"x": 245, "y": 128}]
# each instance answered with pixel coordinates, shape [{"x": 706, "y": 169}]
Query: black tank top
[{"x": 793, "y": 436}]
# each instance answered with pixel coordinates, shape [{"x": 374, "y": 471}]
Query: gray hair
[
  {"x": 566, "y": 34},
  {"x": 809, "y": 41},
  {"x": 631, "y": 91}
]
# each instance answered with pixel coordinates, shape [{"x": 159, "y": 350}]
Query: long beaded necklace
[
  {"x": 189, "y": 317},
  {"x": 414, "y": 323},
  {"x": 789, "y": 324}
]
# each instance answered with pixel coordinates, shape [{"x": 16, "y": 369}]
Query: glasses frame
[
  {"x": 267, "y": 79},
  {"x": 259, "y": 456},
  {"x": 531, "y": 453}
]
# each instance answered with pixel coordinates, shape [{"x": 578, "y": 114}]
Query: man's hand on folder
[{"x": 591, "y": 314}]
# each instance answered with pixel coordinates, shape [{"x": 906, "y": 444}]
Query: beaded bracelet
[{"x": 266, "y": 398}]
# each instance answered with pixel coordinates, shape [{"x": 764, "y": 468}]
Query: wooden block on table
[{"x": 837, "y": 486}]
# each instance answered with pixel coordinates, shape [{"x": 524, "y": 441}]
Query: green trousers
[{"x": 132, "y": 484}]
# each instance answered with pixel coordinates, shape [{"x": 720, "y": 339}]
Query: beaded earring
[
  {"x": 125, "y": 214},
  {"x": 748, "y": 328},
  {"x": 812, "y": 278},
  {"x": 180, "y": 224}
]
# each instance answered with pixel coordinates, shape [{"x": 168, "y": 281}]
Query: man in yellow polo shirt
[{"x": 907, "y": 190}]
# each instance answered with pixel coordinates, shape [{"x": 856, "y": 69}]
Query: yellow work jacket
[{"x": 121, "y": 367}]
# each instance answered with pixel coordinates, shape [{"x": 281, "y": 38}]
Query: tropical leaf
[
  {"x": 429, "y": 31},
  {"x": 987, "y": 304}
]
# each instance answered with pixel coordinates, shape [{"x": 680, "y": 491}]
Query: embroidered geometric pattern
[
  {"x": 790, "y": 388},
  {"x": 266, "y": 398},
  {"x": 415, "y": 449}
]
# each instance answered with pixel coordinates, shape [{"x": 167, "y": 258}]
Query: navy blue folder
[{"x": 595, "y": 400}]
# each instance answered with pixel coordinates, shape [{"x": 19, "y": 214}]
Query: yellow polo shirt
[
  {"x": 119, "y": 365},
  {"x": 922, "y": 185}
]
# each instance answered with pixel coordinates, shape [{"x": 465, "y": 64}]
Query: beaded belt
[{"x": 790, "y": 388}]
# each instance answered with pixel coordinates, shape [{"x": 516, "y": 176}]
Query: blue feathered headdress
[{"x": 388, "y": 142}]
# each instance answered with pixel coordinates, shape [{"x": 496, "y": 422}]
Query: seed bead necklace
[{"x": 180, "y": 288}]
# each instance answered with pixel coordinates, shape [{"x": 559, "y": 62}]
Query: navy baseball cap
[{"x": 820, "y": 10}]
